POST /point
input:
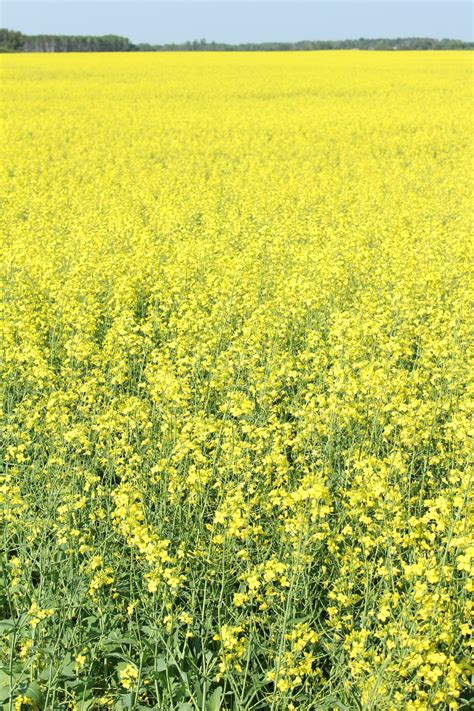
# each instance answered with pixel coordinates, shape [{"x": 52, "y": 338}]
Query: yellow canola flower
[
  {"x": 36, "y": 614},
  {"x": 236, "y": 367},
  {"x": 233, "y": 647},
  {"x": 128, "y": 676},
  {"x": 23, "y": 702}
]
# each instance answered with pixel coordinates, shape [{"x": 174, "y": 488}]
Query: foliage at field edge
[
  {"x": 236, "y": 372},
  {"x": 15, "y": 41}
]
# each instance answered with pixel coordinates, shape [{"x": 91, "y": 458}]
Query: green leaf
[
  {"x": 4, "y": 696},
  {"x": 115, "y": 638},
  {"x": 33, "y": 692},
  {"x": 332, "y": 702},
  {"x": 81, "y": 688},
  {"x": 161, "y": 664},
  {"x": 121, "y": 665},
  {"x": 7, "y": 625},
  {"x": 85, "y": 704},
  {"x": 128, "y": 700},
  {"x": 198, "y": 692},
  {"x": 5, "y": 686},
  {"x": 68, "y": 667},
  {"x": 149, "y": 631},
  {"x": 214, "y": 702}
]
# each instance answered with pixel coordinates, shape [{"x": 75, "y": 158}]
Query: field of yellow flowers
[{"x": 237, "y": 395}]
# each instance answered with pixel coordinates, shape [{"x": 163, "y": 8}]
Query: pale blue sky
[{"x": 242, "y": 20}]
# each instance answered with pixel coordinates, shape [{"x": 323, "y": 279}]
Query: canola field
[{"x": 236, "y": 369}]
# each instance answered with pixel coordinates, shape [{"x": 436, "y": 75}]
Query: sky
[{"x": 237, "y": 21}]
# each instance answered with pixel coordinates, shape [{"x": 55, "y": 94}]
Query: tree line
[{"x": 13, "y": 41}]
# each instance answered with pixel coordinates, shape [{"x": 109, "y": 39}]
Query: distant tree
[{"x": 12, "y": 41}]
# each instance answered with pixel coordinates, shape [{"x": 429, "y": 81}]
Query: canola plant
[{"x": 236, "y": 369}]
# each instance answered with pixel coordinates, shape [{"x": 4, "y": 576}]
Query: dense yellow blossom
[
  {"x": 128, "y": 676},
  {"x": 236, "y": 369}
]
